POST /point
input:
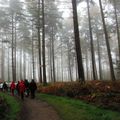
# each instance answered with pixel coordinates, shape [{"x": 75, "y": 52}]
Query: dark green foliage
[
  {"x": 10, "y": 107},
  {"x": 76, "y": 89},
  {"x": 3, "y": 108}
]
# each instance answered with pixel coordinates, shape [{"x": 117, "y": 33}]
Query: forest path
[{"x": 37, "y": 110}]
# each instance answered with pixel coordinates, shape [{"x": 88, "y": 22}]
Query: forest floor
[{"x": 37, "y": 110}]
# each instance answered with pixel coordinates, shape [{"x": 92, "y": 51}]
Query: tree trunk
[
  {"x": 24, "y": 64},
  {"x": 13, "y": 62},
  {"x": 15, "y": 52},
  {"x": 92, "y": 44},
  {"x": 69, "y": 61},
  {"x": 117, "y": 26},
  {"x": 77, "y": 43},
  {"x": 39, "y": 42},
  {"x": 107, "y": 43},
  {"x": 53, "y": 57},
  {"x": 2, "y": 62},
  {"x": 49, "y": 60},
  {"x": 49, "y": 70},
  {"x": 99, "y": 56},
  {"x": 8, "y": 65},
  {"x": 43, "y": 44},
  {"x": 87, "y": 67},
  {"x": 61, "y": 61},
  {"x": 21, "y": 63},
  {"x": 33, "y": 62},
  {"x": 76, "y": 68}
]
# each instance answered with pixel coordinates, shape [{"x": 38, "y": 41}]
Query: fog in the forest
[{"x": 38, "y": 40}]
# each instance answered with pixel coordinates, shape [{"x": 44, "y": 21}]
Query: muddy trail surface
[{"x": 37, "y": 110}]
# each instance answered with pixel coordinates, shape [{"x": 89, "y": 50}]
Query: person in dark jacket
[
  {"x": 27, "y": 85},
  {"x": 33, "y": 88},
  {"x": 5, "y": 87}
]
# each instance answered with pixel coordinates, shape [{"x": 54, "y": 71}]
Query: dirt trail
[{"x": 37, "y": 110}]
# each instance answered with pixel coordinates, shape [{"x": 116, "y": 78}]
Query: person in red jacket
[
  {"x": 12, "y": 87},
  {"x": 22, "y": 89}
]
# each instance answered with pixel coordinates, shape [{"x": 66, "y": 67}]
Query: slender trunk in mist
[
  {"x": 33, "y": 62},
  {"x": 8, "y": 65},
  {"x": 61, "y": 61},
  {"x": 21, "y": 63},
  {"x": 49, "y": 60},
  {"x": 117, "y": 26},
  {"x": 39, "y": 42},
  {"x": 87, "y": 67},
  {"x": 13, "y": 60},
  {"x": 12, "y": 49},
  {"x": 69, "y": 61},
  {"x": 49, "y": 69},
  {"x": 43, "y": 44},
  {"x": 77, "y": 43},
  {"x": 76, "y": 67},
  {"x": 107, "y": 43},
  {"x": 17, "y": 67},
  {"x": 31, "y": 70},
  {"x": 57, "y": 71},
  {"x": 92, "y": 44},
  {"x": 50, "y": 53},
  {"x": 2, "y": 61},
  {"x": 69, "y": 64},
  {"x": 15, "y": 51},
  {"x": 99, "y": 57},
  {"x": 53, "y": 56},
  {"x": 24, "y": 64}
]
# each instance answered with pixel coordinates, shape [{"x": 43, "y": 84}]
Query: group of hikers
[{"x": 22, "y": 88}]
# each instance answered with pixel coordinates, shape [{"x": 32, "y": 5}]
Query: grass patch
[
  {"x": 13, "y": 105},
  {"x": 70, "y": 109}
]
